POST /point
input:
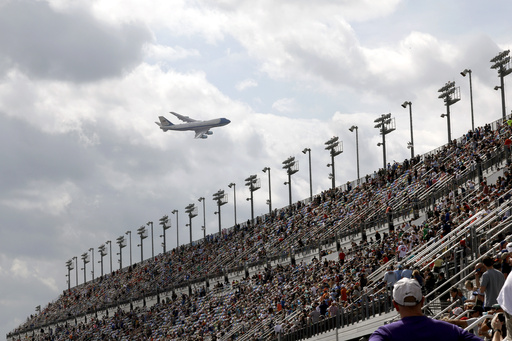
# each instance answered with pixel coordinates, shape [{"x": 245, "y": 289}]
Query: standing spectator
[
  {"x": 398, "y": 273},
  {"x": 341, "y": 257},
  {"x": 401, "y": 250},
  {"x": 489, "y": 280},
  {"x": 390, "y": 278},
  {"x": 407, "y": 272},
  {"x": 417, "y": 276},
  {"x": 442, "y": 286}
]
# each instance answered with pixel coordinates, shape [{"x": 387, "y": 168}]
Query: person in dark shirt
[{"x": 413, "y": 325}]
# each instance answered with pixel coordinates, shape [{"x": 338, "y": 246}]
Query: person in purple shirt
[{"x": 408, "y": 301}]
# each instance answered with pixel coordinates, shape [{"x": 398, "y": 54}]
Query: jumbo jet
[{"x": 202, "y": 128}]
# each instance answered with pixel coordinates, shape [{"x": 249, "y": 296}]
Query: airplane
[{"x": 202, "y": 128}]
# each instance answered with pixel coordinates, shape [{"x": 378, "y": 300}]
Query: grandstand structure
[{"x": 264, "y": 281}]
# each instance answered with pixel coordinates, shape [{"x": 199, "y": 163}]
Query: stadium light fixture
[
  {"x": 464, "y": 73},
  {"x": 164, "y": 222},
  {"x": 221, "y": 199},
  {"x": 233, "y": 185},
  {"x": 129, "y": 233},
  {"x": 122, "y": 243},
  {"x": 335, "y": 147},
  {"x": 308, "y": 151},
  {"x": 269, "y": 201},
  {"x": 142, "y": 232},
  {"x": 253, "y": 182},
  {"x": 201, "y": 199},
  {"x": 192, "y": 212},
  {"x": 109, "y": 242},
  {"x": 502, "y": 64},
  {"x": 292, "y": 166},
  {"x": 450, "y": 95},
  {"x": 356, "y": 128},
  {"x": 150, "y": 223},
  {"x": 386, "y": 124},
  {"x": 410, "y": 144}
]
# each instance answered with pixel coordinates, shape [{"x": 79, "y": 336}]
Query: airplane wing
[
  {"x": 202, "y": 133},
  {"x": 183, "y": 118}
]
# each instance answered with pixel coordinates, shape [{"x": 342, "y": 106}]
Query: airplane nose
[{"x": 225, "y": 121}]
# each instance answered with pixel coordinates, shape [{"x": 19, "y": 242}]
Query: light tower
[
  {"x": 308, "y": 151},
  {"x": 233, "y": 185},
  {"x": 103, "y": 252},
  {"x": 292, "y": 166},
  {"x": 122, "y": 243},
  {"x": 335, "y": 147},
  {"x": 450, "y": 95},
  {"x": 192, "y": 212},
  {"x": 386, "y": 125},
  {"x": 253, "y": 182},
  {"x": 70, "y": 266},
  {"x": 202, "y": 199},
  {"x": 269, "y": 201},
  {"x": 464, "y": 73},
  {"x": 410, "y": 144},
  {"x": 85, "y": 259},
  {"x": 221, "y": 199},
  {"x": 356, "y": 128},
  {"x": 501, "y": 64},
  {"x": 163, "y": 221},
  {"x": 142, "y": 232}
]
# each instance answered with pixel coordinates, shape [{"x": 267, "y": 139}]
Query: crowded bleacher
[{"x": 432, "y": 218}]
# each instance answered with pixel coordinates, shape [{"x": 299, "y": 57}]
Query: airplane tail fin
[{"x": 164, "y": 122}]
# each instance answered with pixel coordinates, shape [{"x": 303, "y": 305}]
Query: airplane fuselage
[{"x": 217, "y": 122}]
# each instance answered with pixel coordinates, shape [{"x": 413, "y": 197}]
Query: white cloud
[
  {"x": 162, "y": 53},
  {"x": 43, "y": 197},
  {"x": 285, "y": 105},
  {"x": 245, "y": 84}
]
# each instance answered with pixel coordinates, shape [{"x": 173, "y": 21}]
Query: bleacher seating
[{"x": 243, "y": 282}]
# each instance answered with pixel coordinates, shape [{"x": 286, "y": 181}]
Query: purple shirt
[{"x": 419, "y": 328}]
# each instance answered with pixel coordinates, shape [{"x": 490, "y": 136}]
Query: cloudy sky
[{"x": 82, "y": 82}]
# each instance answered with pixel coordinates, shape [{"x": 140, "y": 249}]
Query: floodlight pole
[
  {"x": 92, "y": 264},
  {"x": 190, "y": 209},
  {"x": 233, "y": 185},
  {"x": 308, "y": 150},
  {"x": 150, "y": 223},
  {"x": 141, "y": 231},
  {"x": 76, "y": 269},
  {"x": 411, "y": 144},
  {"x": 269, "y": 191},
  {"x": 101, "y": 250},
  {"x": 130, "y": 234},
  {"x": 69, "y": 266},
  {"x": 109, "y": 242},
  {"x": 356, "y": 128},
  {"x": 335, "y": 147},
  {"x": 221, "y": 199},
  {"x": 201, "y": 199},
  {"x": 120, "y": 241},
  {"x": 450, "y": 95},
  {"x": 250, "y": 182},
  {"x": 291, "y": 166},
  {"x": 386, "y": 124},
  {"x": 84, "y": 258},
  {"x": 501, "y": 63},
  {"x": 464, "y": 73}
]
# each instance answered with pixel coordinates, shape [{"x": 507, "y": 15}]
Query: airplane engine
[
  {"x": 209, "y": 132},
  {"x": 203, "y": 136}
]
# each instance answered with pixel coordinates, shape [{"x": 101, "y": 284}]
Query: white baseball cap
[
  {"x": 509, "y": 247},
  {"x": 407, "y": 287}
]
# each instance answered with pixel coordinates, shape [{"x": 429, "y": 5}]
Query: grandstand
[{"x": 451, "y": 204}]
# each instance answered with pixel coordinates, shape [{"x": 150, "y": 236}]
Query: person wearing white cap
[{"x": 408, "y": 301}]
